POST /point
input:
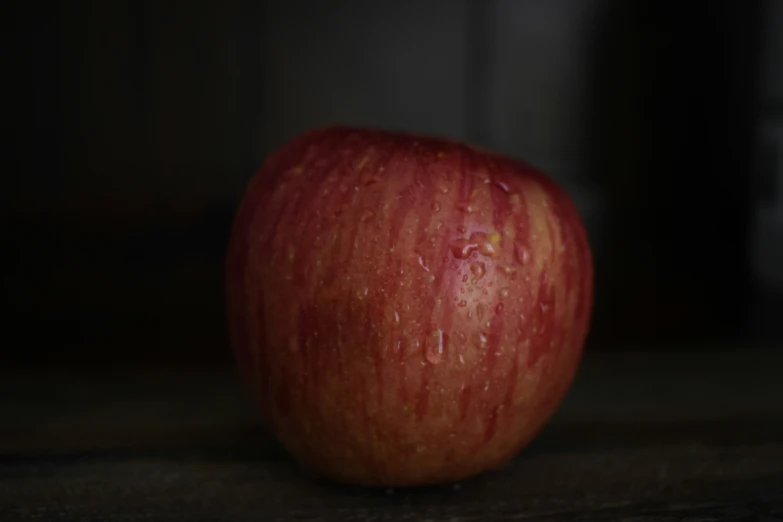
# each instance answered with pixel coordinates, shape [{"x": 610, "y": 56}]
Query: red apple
[{"x": 407, "y": 310}]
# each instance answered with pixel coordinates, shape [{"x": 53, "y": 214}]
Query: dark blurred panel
[
  {"x": 676, "y": 93},
  {"x": 132, "y": 147}
]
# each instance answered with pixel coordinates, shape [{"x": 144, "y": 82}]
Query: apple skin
[{"x": 406, "y": 310}]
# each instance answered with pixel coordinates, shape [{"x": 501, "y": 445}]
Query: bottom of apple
[
  {"x": 402, "y": 478},
  {"x": 419, "y": 470}
]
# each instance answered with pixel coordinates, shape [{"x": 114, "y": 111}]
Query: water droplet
[
  {"x": 465, "y": 207},
  {"x": 482, "y": 339},
  {"x": 421, "y": 264},
  {"x": 396, "y": 317},
  {"x": 504, "y": 293},
  {"x": 461, "y": 229},
  {"x": 478, "y": 269},
  {"x": 435, "y": 206},
  {"x": 462, "y": 248},
  {"x": 480, "y": 311},
  {"x": 438, "y": 225},
  {"x": 435, "y": 347},
  {"x": 507, "y": 270},
  {"x": 522, "y": 254},
  {"x": 461, "y": 359},
  {"x": 486, "y": 385},
  {"x": 361, "y": 294},
  {"x": 499, "y": 308},
  {"x": 544, "y": 307},
  {"x": 444, "y": 190},
  {"x": 487, "y": 249},
  {"x": 502, "y": 186},
  {"x": 462, "y": 303}
]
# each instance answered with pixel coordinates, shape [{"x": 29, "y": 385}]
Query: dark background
[{"x": 134, "y": 127}]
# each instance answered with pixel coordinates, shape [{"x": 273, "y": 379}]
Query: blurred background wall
[{"x": 134, "y": 127}]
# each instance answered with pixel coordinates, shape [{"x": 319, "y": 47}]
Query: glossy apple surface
[{"x": 406, "y": 310}]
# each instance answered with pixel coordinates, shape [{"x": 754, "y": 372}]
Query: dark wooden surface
[{"x": 642, "y": 436}]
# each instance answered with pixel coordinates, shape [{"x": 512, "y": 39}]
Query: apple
[{"x": 406, "y": 310}]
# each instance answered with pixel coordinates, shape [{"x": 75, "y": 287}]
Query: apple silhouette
[{"x": 406, "y": 310}]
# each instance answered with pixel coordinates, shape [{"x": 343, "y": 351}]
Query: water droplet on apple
[
  {"x": 487, "y": 249},
  {"x": 507, "y": 270},
  {"x": 522, "y": 253},
  {"x": 435, "y": 206},
  {"x": 421, "y": 264},
  {"x": 435, "y": 347},
  {"x": 462, "y": 248},
  {"x": 438, "y": 225},
  {"x": 499, "y": 308},
  {"x": 466, "y": 207},
  {"x": 461, "y": 229},
  {"x": 504, "y": 293},
  {"x": 396, "y": 317},
  {"x": 481, "y": 339},
  {"x": 502, "y": 186},
  {"x": 486, "y": 385},
  {"x": 462, "y": 303},
  {"x": 478, "y": 269},
  {"x": 461, "y": 359},
  {"x": 480, "y": 311}
]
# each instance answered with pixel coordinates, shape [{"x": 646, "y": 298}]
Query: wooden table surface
[{"x": 641, "y": 436}]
